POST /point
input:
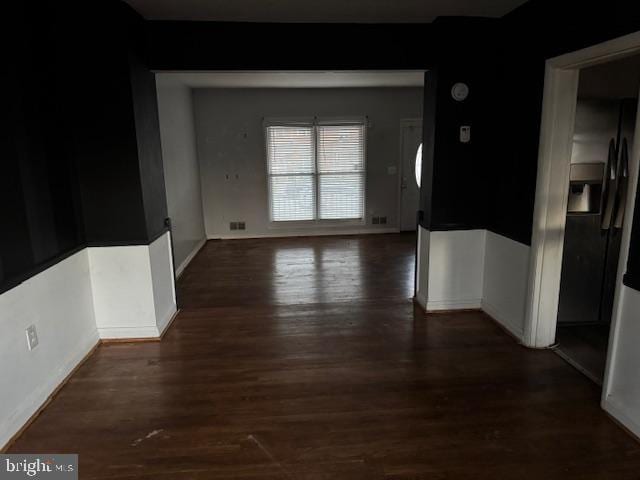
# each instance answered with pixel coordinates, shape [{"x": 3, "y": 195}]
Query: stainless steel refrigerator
[{"x": 595, "y": 212}]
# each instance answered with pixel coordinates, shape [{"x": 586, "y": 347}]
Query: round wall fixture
[{"x": 460, "y": 91}]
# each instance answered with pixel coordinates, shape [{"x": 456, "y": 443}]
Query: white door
[{"x": 409, "y": 191}]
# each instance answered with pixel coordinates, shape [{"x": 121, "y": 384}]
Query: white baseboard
[
  {"x": 503, "y": 320},
  {"x": 617, "y": 412},
  {"x": 165, "y": 322},
  {"x": 307, "y": 233},
  {"x": 119, "y": 333},
  {"x": 135, "y": 333},
  {"x": 30, "y": 405},
  {"x": 422, "y": 301},
  {"x": 190, "y": 257},
  {"x": 466, "y": 304},
  {"x": 442, "y": 305}
]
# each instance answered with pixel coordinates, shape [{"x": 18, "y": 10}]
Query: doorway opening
[
  {"x": 253, "y": 159},
  {"x": 603, "y": 137},
  {"x": 558, "y": 193},
  {"x": 410, "y": 174}
]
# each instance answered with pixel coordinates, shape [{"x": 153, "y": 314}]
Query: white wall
[
  {"x": 59, "y": 303},
  {"x": 230, "y": 139},
  {"x": 451, "y": 277},
  {"x": 474, "y": 269},
  {"x": 99, "y": 292},
  {"x": 162, "y": 282},
  {"x": 623, "y": 396},
  {"x": 506, "y": 272},
  {"x": 181, "y": 169},
  {"x": 132, "y": 289},
  {"x": 422, "y": 267}
]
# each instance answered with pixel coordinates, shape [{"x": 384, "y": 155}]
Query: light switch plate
[
  {"x": 465, "y": 134},
  {"x": 32, "y": 337}
]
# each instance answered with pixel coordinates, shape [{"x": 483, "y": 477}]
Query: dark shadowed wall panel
[
  {"x": 41, "y": 212},
  {"x": 145, "y": 107},
  {"x": 539, "y": 30},
  {"x": 80, "y": 138}
]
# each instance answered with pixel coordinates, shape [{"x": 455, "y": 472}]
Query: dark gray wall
[
  {"x": 80, "y": 139},
  {"x": 454, "y": 173},
  {"x": 250, "y": 46},
  {"x": 147, "y": 128},
  {"x": 538, "y": 30}
]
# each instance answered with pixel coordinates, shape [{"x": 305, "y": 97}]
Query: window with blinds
[
  {"x": 316, "y": 172},
  {"x": 292, "y": 172}
]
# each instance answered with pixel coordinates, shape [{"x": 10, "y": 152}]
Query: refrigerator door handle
[
  {"x": 610, "y": 186},
  {"x": 623, "y": 184}
]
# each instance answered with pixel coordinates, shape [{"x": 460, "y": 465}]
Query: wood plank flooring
[
  {"x": 297, "y": 270},
  {"x": 585, "y": 346},
  {"x": 305, "y": 359}
]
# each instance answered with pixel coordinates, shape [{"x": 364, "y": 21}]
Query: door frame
[
  {"x": 554, "y": 157},
  {"x": 404, "y": 123}
]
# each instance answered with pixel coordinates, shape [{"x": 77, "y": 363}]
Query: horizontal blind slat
[
  {"x": 340, "y": 148},
  {"x": 292, "y": 197},
  {"x": 341, "y": 171},
  {"x": 291, "y": 167},
  {"x": 291, "y": 149},
  {"x": 341, "y": 196}
]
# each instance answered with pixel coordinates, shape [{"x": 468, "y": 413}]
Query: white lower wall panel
[
  {"x": 456, "y": 263},
  {"x": 473, "y": 269},
  {"x": 623, "y": 396},
  {"x": 506, "y": 267},
  {"x": 422, "y": 269},
  {"x": 162, "y": 281},
  {"x": 122, "y": 291},
  {"x": 133, "y": 291},
  {"x": 58, "y": 301},
  {"x": 454, "y": 269},
  {"x": 99, "y": 292}
]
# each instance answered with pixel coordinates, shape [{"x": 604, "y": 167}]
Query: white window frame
[{"x": 315, "y": 122}]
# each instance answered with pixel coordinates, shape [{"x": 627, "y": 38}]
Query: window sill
[{"x": 308, "y": 224}]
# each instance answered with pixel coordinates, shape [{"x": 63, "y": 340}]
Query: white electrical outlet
[{"x": 32, "y": 337}]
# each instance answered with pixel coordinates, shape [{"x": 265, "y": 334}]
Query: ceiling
[
  {"x": 342, "y": 79},
  {"x": 315, "y": 11}
]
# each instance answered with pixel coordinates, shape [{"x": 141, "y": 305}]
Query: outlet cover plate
[{"x": 32, "y": 337}]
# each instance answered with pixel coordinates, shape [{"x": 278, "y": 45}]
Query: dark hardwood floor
[
  {"x": 306, "y": 359},
  {"x": 298, "y": 270},
  {"x": 585, "y": 347}
]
